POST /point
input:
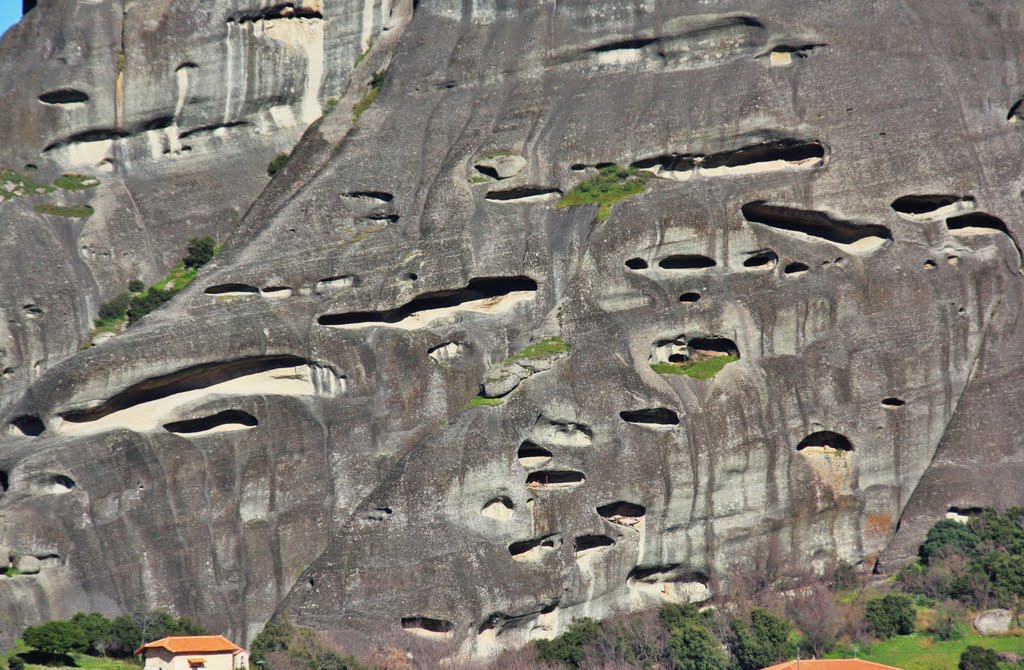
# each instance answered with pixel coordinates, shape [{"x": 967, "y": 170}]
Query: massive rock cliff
[
  {"x": 175, "y": 108},
  {"x": 833, "y": 199}
]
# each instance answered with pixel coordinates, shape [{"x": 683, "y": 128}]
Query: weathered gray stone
[
  {"x": 994, "y": 621},
  {"x": 502, "y": 166},
  {"x": 27, "y": 565},
  {"x": 880, "y": 348}
]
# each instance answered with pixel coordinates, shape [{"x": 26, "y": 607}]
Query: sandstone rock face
[
  {"x": 290, "y": 433},
  {"x": 175, "y": 108},
  {"x": 991, "y": 622}
]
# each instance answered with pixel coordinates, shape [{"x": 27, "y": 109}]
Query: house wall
[{"x": 161, "y": 659}]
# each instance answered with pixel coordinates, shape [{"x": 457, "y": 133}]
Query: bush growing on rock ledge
[
  {"x": 611, "y": 185},
  {"x": 277, "y": 164},
  {"x": 200, "y": 251}
]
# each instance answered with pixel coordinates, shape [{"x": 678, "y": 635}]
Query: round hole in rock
[
  {"x": 64, "y": 482},
  {"x": 28, "y": 425},
  {"x": 796, "y": 268},
  {"x": 636, "y": 264},
  {"x": 689, "y": 296},
  {"x": 825, "y": 441},
  {"x": 410, "y": 276},
  {"x": 893, "y": 402}
]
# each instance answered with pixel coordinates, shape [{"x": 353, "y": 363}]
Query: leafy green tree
[
  {"x": 125, "y": 636},
  {"x": 568, "y": 648},
  {"x": 277, "y": 164},
  {"x": 275, "y": 636},
  {"x": 136, "y": 286},
  {"x": 56, "y": 637},
  {"x": 978, "y": 658},
  {"x": 16, "y": 663},
  {"x": 144, "y": 303},
  {"x": 116, "y": 308},
  {"x": 200, "y": 251},
  {"x": 691, "y": 646},
  {"x": 96, "y": 628},
  {"x": 674, "y": 616},
  {"x": 890, "y": 615},
  {"x": 948, "y": 535},
  {"x": 763, "y": 641}
]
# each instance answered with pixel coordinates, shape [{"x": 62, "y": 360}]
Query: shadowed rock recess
[{"x": 290, "y": 435}]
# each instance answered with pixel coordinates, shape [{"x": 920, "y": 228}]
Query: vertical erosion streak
[
  {"x": 229, "y": 75},
  {"x": 367, "y": 31}
]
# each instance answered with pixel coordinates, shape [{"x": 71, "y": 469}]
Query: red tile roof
[
  {"x": 831, "y": 664},
  {"x": 192, "y": 644}
]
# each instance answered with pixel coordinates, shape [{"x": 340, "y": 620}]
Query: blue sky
[{"x": 10, "y": 12}]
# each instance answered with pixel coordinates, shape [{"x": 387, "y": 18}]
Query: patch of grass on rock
[
  {"x": 480, "y": 401},
  {"x": 612, "y": 184},
  {"x": 74, "y": 211},
  {"x": 705, "y": 369},
  {"x": 76, "y": 182},
  {"x": 549, "y": 346},
  {"x": 14, "y": 185}
]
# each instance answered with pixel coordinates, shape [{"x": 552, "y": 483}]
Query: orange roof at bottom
[
  {"x": 831, "y": 664},
  {"x": 192, "y": 644}
]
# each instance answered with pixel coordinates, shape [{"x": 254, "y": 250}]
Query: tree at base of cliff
[
  {"x": 978, "y": 658},
  {"x": 890, "y": 615},
  {"x": 56, "y": 637},
  {"x": 762, "y": 641}
]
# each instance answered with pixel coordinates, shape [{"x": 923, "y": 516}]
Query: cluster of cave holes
[
  {"x": 760, "y": 157},
  {"x": 284, "y": 10}
]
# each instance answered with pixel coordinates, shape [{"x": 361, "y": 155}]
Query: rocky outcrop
[
  {"x": 993, "y": 622},
  {"x": 873, "y": 339},
  {"x": 174, "y": 109}
]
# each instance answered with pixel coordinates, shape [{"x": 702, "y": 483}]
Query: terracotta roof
[
  {"x": 831, "y": 664},
  {"x": 192, "y": 644}
]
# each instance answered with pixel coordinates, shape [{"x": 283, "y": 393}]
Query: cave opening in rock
[
  {"x": 787, "y": 150},
  {"x": 28, "y": 425},
  {"x": 27, "y": 6},
  {"x": 796, "y": 269},
  {"x": 689, "y": 296},
  {"x": 231, "y": 289},
  {"x": 622, "y": 513},
  {"x": 500, "y": 508},
  {"x": 636, "y": 264},
  {"x": 765, "y": 259},
  {"x": 524, "y": 194},
  {"x": 893, "y": 402},
  {"x": 227, "y": 420},
  {"x": 478, "y": 290},
  {"x": 555, "y": 479},
  {"x": 929, "y": 204},
  {"x": 188, "y": 379},
  {"x": 535, "y": 548},
  {"x": 977, "y": 222},
  {"x": 656, "y": 416},
  {"x": 531, "y": 455},
  {"x": 4, "y": 481},
  {"x": 586, "y": 545},
  {"x": 427, "y": 626},
  {"x": 820, "y": 225},
  {"x": 64, "y": 96},
  {"x": 686, "y": 262},
  {"x": 825, "y": 441}
]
